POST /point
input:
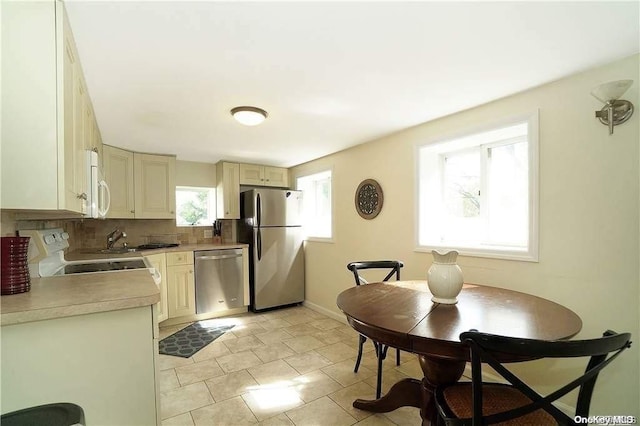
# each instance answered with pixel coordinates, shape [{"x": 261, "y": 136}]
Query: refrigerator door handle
[
  {"x": 259, "y": 244},
  {"x": 258, "y": 209}
]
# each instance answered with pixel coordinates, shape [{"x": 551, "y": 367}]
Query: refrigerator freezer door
[
  {"x": 278, "y": 277},
  {"x": 272, "y": 207}
]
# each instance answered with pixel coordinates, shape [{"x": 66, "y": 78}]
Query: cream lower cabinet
[
  {"x": 181, "y": 288},
  {"x": 159, "y": 262},
  {"x": 104, "y": 362}
]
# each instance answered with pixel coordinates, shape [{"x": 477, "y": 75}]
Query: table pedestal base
[{"x": 417, "y": 393}]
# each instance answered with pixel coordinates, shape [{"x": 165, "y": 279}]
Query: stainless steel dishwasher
[{"x": 218, "y": 280}]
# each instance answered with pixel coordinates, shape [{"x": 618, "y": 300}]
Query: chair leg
[
  {"x": 382, "y": 354},
  {"x": 397, "y": 356},
  {"x": 361, "y": 340}
]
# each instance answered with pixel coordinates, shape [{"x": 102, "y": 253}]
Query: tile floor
[{"x": 286, "y": 367}]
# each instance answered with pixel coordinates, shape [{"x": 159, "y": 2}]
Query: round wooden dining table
[{"x": 401, "y": 314}]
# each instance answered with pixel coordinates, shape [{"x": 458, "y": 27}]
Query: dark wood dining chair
[
  {"x": 516, "y": 403},
  {"x": 391, "y": 267}
]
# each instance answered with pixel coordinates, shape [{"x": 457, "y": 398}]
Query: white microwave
[{"x": 98, "y": 195}]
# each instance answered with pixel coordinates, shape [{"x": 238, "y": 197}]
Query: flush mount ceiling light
[
  {"x": 249, "y": 116},
  {"x": 614, "y": 111}
]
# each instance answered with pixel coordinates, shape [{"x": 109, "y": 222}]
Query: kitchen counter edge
[
  {"x": 79, "y": 294},
  {"x": 92, "y": 253}
]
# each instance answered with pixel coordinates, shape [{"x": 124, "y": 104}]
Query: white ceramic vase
[{"x": 445, "y": 277}]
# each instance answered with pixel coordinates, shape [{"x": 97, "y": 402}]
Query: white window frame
[
  {"x": 447, "y": 145},
  {"x": 211, "y": 207},
  {"x": 322, "y": 239}
]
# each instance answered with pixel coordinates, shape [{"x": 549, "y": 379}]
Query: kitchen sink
[
  {"x": 122, "y": 250},
  {"x": 110, "y": 265},
  {"x": 119, "y": 250}
]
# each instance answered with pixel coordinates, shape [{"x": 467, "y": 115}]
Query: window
[
  {"x": 316, "y": 204},
  {"x": 195, "y": 206},
  {"x": 478, "y": 193}
]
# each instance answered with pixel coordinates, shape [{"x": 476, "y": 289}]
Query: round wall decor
[{"x": 369, "y": 199}]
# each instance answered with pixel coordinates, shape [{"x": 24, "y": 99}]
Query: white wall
[{"x": 589, "y": 217}]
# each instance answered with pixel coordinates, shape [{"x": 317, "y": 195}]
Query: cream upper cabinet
[
  {"x": 158, "y": 261},
  {"x": 251, "y": 174},
  {"x": 155, "y": 186},
  {"x": 256, "y": 175},
  {"x": 142, "y": 186},
  {"x": 74, "y": 143},
  {"x": 118, "y": 172},
  {"x": 228, "y": 190},
  {"x": 276, "y": 176},
  {"x": 181, "y": 290},
  {"x": 44, "y": 107}
]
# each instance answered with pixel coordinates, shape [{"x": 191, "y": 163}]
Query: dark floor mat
[{"x": 191, "y": 339}]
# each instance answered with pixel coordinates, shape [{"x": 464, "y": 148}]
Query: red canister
[{"x": 14, "y": 269}]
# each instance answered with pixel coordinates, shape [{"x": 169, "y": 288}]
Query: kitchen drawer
[{"x": 180, "y": 258}]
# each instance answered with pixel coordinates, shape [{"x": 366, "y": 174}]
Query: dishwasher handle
[{"x": 225, "y": 256}]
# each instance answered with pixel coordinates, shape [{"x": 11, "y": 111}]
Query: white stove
[{"x": 46, "y": 257}]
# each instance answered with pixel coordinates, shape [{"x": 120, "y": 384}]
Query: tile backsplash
[{"x": 92, "y": 233}]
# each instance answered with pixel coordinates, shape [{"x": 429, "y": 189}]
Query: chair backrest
[
  {"x": 392, "y": 265},
  {"x": 487, "y": 348}
]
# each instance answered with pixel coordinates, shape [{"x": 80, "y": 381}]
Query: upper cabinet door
[
  {"x": 276, "y": 176},
  {"x": 73, "y": 126},
  {"x": 45, "y": 108},
  {"x": 251, "y": 174},
  {"x": 228, "y": 190},
  {"x": 155, "y": 186},
  {"x": 255, "y": 175},
  {"x": 118, "y": 172}
]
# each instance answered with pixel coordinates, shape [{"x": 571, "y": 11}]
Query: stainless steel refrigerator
[{"x": 271, "y": 224}]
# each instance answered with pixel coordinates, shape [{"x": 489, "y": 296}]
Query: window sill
[
  {"x": 319, "y": 240},
  {"x": 522, "y": 256}
]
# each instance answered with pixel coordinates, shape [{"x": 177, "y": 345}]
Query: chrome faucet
[{"x": 114, "y": 236}]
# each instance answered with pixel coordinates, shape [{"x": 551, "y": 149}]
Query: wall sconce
[
  {"x": 248, "y": 115},
  {"x": 615, "y": 111}
]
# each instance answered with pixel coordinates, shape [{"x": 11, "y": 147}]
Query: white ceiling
[{"x": 164, "y": 75}]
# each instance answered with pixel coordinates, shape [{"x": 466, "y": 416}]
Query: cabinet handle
[
  {"x": 171, "y": 212},
  {"x": 133, "y": 211},
  {"x": 82, "y": 196}
]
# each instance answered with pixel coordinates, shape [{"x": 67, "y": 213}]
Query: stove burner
[{"x": 152, "y": 246}]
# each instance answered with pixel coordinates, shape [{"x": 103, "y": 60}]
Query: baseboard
[
  {"x": 488, "y": 377},
  {"x": 325, "y": 311}
]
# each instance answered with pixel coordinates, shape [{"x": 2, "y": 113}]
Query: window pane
[
  {"x": 508, "y": 200},
  {"x": 316, "y": 201},
  {"x": 195, "y": 206},
  {"x": 461, "y": 196}
]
